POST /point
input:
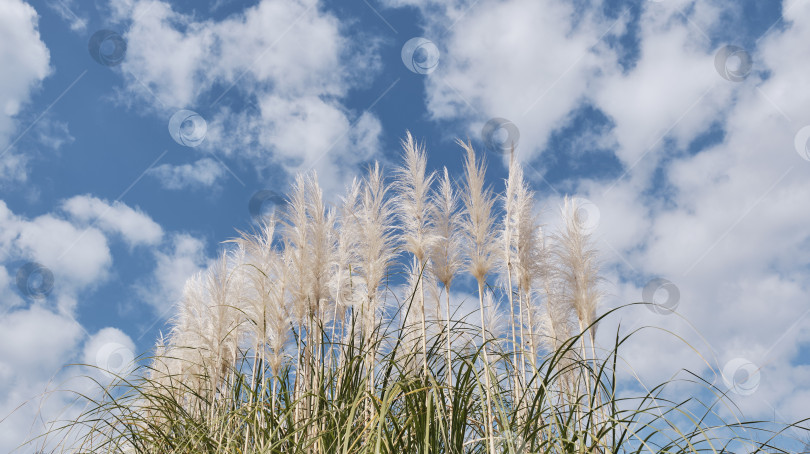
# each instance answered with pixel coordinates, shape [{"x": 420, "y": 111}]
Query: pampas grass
[
  {"x": 478, "y": 226},
  {"x": 414, "y": 208},
  {"x": 445, "y": 253},
  {"x": 334, "y": 338}
]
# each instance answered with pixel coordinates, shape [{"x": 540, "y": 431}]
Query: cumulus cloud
[
  {"x": 182, "y": 257},
  {"x": 74, "y": 244},
  {"x": 77, "y": 257},
  {"x": 37, "y": 350},
  {"x": 135, "y": 227},
  {"x": 290, "y": 59},
  {"x": 110, "y": 354},
  {"x": 22, "y": 49},
  {"x": 202, "y": 173},
  {"x": 36, "y": 343},
  {"x": 527, "y": 61},
  {"x": 728, "y": 231}
]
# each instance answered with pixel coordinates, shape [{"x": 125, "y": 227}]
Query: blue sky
[{"x": 695, "y": 178}]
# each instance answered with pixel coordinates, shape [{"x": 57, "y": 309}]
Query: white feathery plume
[
  {"x": 343, "y": 290},
  {"x": 186, "y": 338},
  {"x": 375, "y": 251},
  {"x": 478, "y": 219},
  {"x": 555, "y": 324},
  {"x": 525, "y": 246},
  {"x": 265, "y": 273},
  {"x": 508, "y": 237},
  {"x": 309, "y": 251},
  {"x": 495, "y": 323},
  {"x": 208, "y": 327},
  {"x": 555, "y": 320},
  {"x": 434, "y": 310},
  {"x": 413, "y": 204},
  {"x": 225, "y": 319},
  {"x": 376, "y": 243},
  {"x": 321, "y": 250},
  {"x": 577, "y": 274},
  {"x": 446, "y": 250},
  {"x": 296, "y": 236},
  {"x": 310, "y": 233},
  {"x": 577, "y": 265}
]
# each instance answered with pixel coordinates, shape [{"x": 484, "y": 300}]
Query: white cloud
[
  {"x": 285, "y": 126},
  {"x": 202, "y": 173},
  {"x": 134, "y": 226},
  {"x": 22, "y": 49},
  {"x": 672, "y": 91},
  {"x": 77, "y": 257},
  {"x": 291, "y": 59},
  {"x": 8, "y": 297},
  {"x": 66, "y": 9},
  {"x": 38, "y": 385},
  {"x": 732, "y": 237},
  {"x": 184, "y": 257},
  {"x": 110, "y": 354},
  {"x": 527, "y": 61},
  {"x": 36, "y": 341},
  {"x": 34, "y": 344},
  {"x": 52, "y": 134},
  {"x": 74, "y": 245}
]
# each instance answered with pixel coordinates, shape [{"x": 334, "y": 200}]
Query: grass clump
[{"x": 300, "y": 338}]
